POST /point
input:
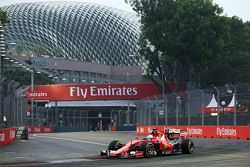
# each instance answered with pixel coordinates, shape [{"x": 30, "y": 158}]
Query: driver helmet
[
  {"x": 155, "y": 132},
  {"x": 149, "y": 137}
]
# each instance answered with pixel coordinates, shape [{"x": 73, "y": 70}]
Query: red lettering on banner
[{"x": 93, "y": 92}]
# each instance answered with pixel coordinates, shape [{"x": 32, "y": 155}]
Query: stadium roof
[{"x": 75, "y": 30}]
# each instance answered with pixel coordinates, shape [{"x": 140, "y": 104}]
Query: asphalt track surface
[{"x": 83, "y": 148}]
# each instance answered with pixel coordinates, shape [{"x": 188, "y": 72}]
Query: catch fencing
[
  {"x": 13, "y": 104},
  {"x": 226, "y": 105}
]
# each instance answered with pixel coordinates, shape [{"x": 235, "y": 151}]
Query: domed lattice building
[{"x": 75, "y": 30}]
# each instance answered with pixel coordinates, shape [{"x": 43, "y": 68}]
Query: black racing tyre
[
  {"x": 187, "y": 146},
  {"x": 114, "y": 145},
  {"x": 148, "y": 149}
]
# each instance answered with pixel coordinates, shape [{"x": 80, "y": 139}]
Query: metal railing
[
  {"x": 13, "y": 104},
  {"x": 226, "y": 105}
]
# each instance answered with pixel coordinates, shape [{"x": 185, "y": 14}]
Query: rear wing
[{"x": 176, "y": 131}]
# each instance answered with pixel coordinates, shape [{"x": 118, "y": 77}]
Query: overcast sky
[{"x": 239, "y": 8}]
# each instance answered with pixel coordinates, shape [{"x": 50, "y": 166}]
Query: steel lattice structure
[{"x": 76, "y": 30}]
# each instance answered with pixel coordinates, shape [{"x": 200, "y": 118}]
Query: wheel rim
[
  {"x": 150, "y": 150},
  {"x": 191, "y": 147}
]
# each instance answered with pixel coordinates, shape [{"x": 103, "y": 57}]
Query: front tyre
[
  {"x": 114, "y": 145},
  {"x": 187, "y": 146},
  {"x": 148, "y": 149}
]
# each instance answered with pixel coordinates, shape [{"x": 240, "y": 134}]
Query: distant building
[
  {"x": 65, "y": 71},
  {"x": 77, "y": 43},
  {"x": 75, "y": 30}
]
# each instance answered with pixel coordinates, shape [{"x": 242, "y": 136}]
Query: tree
[
  {"x": 39, "y": 50},
  {"x": 232, "y": 66},
  {"x": 57, "y": 51},
  {"x": 4, "y": 18},
  {"x": 24, "y": 77},
  {"x": 19, "y": 49},
  {"x": 182, "y": 39}
]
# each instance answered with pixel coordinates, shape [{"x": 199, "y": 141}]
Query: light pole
[
  {"x": 32, "y": 102},
  {"x": 235, "y": 109},
  {"x": 2, "y": 55},
  {"x": 218, "y": 105},
  {"x": 178, "y": 101},
  {"x": 202, "y": 107},
  {"x": 163, "y": 89},
  {"x": 2, "y": 50},
  {"x": 235, "y": 105},
  {"x": 1, "y": 100},
  {"x": 188, "y": 107}
]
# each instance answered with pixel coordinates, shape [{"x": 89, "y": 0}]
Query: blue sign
[{"x": 40, "y": 62}]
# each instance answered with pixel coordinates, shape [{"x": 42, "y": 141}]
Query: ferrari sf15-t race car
[{"x": 156, "y": 143}]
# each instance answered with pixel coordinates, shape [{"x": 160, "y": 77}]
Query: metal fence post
[
  {"x": 134, "y": 118},
  {"x": 32, "y": 102},
  {"x": 21, "y": 107},
  {"x": 166, "y": 109},
  {"x": 177, "y": 109},
  {"x": 235, "y": 107},
  {"x": 156, "y": 114},
  {"x": 218, "y": 105},
  {"x": 202, "y": 107},
  {"x": 128, "y": 115},
  {"x": 188, "y": 107}
]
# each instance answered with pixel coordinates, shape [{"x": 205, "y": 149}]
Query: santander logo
[{"x": 226, "y": 132}]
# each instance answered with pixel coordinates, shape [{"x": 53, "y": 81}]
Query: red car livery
[{"x": 156, "y": 143}]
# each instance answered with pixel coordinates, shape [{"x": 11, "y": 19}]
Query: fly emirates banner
[{"x": 93, "y": 92}]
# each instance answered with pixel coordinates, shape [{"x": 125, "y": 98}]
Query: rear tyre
[
  {"x": 148, "y": 149},
  {"x": 114, "y": 145},
  {"x": 187, "y": 146}
]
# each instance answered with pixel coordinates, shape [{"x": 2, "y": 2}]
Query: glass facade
[{"x": 76, "y": 30}]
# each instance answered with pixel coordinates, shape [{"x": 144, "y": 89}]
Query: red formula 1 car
[{"x": 156, "y": 143}]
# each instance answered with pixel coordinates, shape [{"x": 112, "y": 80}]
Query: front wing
[{"x": 112, "y": 153}]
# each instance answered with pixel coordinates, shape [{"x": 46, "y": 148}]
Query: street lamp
[
  {"x": 2, "y": 49},
  {"x": 32, "y": 102},
  {"x": 234, "y": 91},
  {"x": 202, "y": 107},
  {"x": 163, "y": 88},
  {"x": 188, "y": 106},
  {"x": 178, "y": 102},
  {"x": 218, "y": 105}
]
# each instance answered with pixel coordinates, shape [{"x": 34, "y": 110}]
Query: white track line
[
  {"x": 80, "y": 141},
  {"x": 23, "y": 164},
  {"x": 67, "y": 161},
  {"x": 46, "y": 162}
]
